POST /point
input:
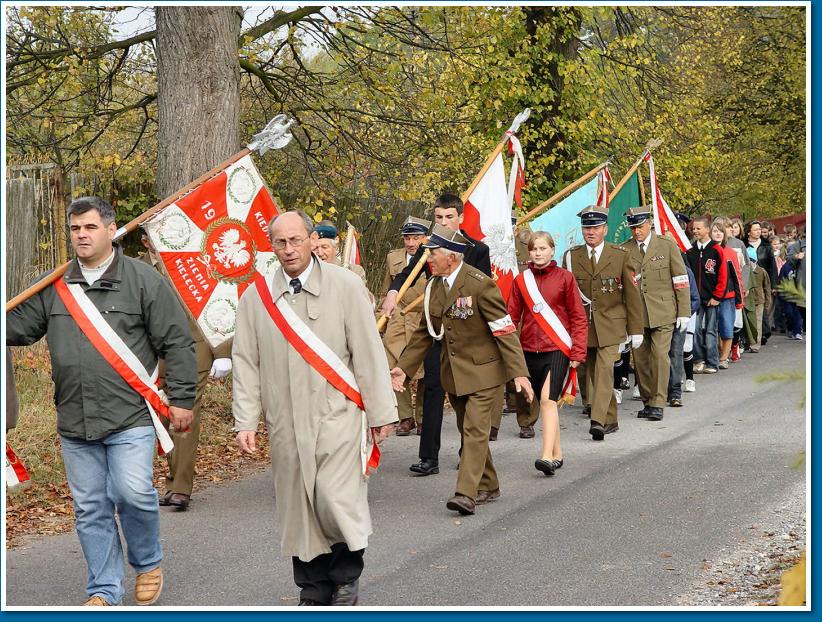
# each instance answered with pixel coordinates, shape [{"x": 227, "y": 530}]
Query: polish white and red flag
[
  {"x": 214, "y": 241},
  {"x": 603, "y": 180},
  {"x": 487, "y": 213},
  {"x": 352, "y": 247},
  {"x": 664, "y": 218}
]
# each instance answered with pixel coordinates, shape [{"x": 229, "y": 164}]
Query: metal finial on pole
[{"x": 274, "y": 135}]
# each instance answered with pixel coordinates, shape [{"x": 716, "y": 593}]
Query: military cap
[
  {"x": 593, "y": 215},
  {"x": 684, "y": 219},
  {"x": 443, "y": 237},
  {"x": 415, "y": 226},
  {"x": 635, "y": 216},
  {"x": 326, "y": 231}
]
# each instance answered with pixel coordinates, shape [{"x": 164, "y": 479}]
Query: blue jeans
[
  {"x": 725, "y": 317},
  {"x": 114, "y": 472},
  {"x": 705, "y": 337}
]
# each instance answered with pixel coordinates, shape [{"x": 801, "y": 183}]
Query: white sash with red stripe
[
  {"x": 16, "y": 474},
  {"x": 112, "y": 348},
  {"x": 549, "y": 323},
  {"x": 323, "y": 360}
]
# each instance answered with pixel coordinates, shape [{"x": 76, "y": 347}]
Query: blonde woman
[{"x": 541, "y": 288}]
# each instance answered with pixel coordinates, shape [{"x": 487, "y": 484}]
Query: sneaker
[
  {"x": 149, "y": 587},
  {"x": 799, "y": 337},
  {"x": 735, "y": 354},
  {"x": 722, "y": 365},
  {"x": 635, "y": 395},
  {"x": 699, "y": 368},
  {"x": 96, "y": 601},
  {"x": 618, "y": 395},
  {"x": 690, "y": 386},
  {"x": 709, "y": 370}
]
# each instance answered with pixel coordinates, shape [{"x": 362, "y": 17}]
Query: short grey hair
[
  {"x": 309, "y": 224},
  {"x": 85, "y": 204}
]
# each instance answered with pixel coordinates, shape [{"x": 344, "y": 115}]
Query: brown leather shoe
[
  {"x": 149, "y": 586},
  {"x": 611, "y": 428},
  {"x": 493, "y": 435},
  {"x": 526, "y": 432},
  {"x": 419, "y": 429},
  {"x": 177, "y": 500},
  {"x": 96, "y": 601},
  {"x": 462, "y": 504},
  {"x": 485, "y": 496},
  {"x": 164, "y": 499},
  {"x": 406, "y": 426}
]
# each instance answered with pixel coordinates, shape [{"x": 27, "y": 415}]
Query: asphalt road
[{"x": 627, "y": 521}]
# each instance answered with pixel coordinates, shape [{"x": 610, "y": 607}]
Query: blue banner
[{"x": 562, "y": 222}]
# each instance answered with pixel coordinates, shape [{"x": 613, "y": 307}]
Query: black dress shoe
[
  {"x": 611, "y": 428},
  {"x": 586, "y": 410},
  {"x": 643, "y": 414},
  {"x": 346, "y": 595},
  {"x": 558, "y": 463},
  {"x": 307, "y": 602},
  {"x": 177, "y": 500},
  {"x": 493, "y": 435},
  {"x": 545, "y": 466},
  {"x": 597, "y": 431},
  {"x": 426, "y": 466},
  {"x": 654, "y": 413}
]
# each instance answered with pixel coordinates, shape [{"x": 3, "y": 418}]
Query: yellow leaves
[{"x": 794, "y": 585}]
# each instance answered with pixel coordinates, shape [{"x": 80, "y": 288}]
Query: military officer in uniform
[
  {"x": 665, "y": 297},
  {"x": 464, "y": 310},
  {"x": 400, "y": 328},
  {"x": 606, "y": 280}
]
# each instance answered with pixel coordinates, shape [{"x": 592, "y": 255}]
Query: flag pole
[
  {"x": 411, "y": 278},
  {"x": 411, "y": 305},
  {"x": 641, "y": 187},
  {"x": 273, "y": 136},
  {"x": 347, "y": 247},
  {"x": 652, "y": 144},
  {"x": 559, "y": 195}
]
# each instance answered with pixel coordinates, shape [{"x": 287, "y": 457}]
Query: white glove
[
  {"x": 682, "y": 323},
  {"x": 220, "y": 368},
  {"x": 636, "y": 341}
]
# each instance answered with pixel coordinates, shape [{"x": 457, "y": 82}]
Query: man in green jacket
[{"x": 106, "y": 429}]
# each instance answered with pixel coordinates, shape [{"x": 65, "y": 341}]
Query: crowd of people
[{"x": 308, "y": 360}]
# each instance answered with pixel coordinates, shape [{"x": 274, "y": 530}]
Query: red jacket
[
  {"x": 559, "y": 288},
  {"x": 733, "y": 286}
]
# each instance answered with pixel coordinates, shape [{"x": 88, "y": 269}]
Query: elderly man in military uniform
[
  {"x": 400, "y": 327},
  {"x": 607, "y": 283},
  {"x": 464, "y": 310},
  {"x": 664, "y": 293}
]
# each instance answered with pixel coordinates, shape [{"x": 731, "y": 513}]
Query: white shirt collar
[
  {"x": 408, "y": 258},
  {"x": 646, "y": 241},
  {"x": 449, "y": 280},
  {"x": 597, "y": 250},
  {"x": 91, "y": 275}
]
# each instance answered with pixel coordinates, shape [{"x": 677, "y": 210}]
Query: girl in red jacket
[
  {"x": 733, "y": 297},
  {"x": 554, "y": 335}
]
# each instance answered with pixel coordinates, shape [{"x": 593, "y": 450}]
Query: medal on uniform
[
  {"x": 619, "y": 283},
  {"x": 604, "y": 287},
  {"x": 610, "y": 286}
]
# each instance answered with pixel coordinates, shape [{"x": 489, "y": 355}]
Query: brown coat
[
  {"x": 662, "y": 303},
  {"x": 472, "y": 359},
  {"x": 399, "y": 329},
  {"x": 615, "y": 310},
  {"x": 315, "y": 432}
]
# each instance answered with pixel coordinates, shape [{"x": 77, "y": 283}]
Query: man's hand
[
  {"x": 574, "y": 364},
  {"x": 521, "y": 383},
  {"x": 247, "y": 439},
  {"x": 682, "y": 323},
  {"x": 180, "y": 418},
  {"x": 398, "y": 380},
  {"x": 636, "y": 341},
  {"x": 713, "y": 302},
  {"x": 220, "y": 368},
  {"x": 383, "y": 432},
  {"x": 390, "y": 303}
]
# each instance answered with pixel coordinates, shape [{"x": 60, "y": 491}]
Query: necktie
[
  {"x": 296, "y": 285},
  {"x": 593, "y": 260},
  {"x": 642, "y": 248}
]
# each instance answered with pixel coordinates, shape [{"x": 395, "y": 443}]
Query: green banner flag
[{"x": 628, "y": 197}]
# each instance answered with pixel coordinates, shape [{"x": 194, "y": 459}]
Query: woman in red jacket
[
  {"x": 733, "y": 298},
  {"x": 554, "y": 335}
]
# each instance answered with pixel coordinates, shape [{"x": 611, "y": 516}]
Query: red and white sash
[
  {"x": 324, "y": 361},
  {"x": 112, "y": 348},
  {"x": 16, "y": 474},
  {"x": 550, "y": 325}
]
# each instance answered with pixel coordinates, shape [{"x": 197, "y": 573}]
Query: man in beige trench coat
[{"x": 317, "y": 434}]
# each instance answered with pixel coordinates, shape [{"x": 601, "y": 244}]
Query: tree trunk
[{"x": 198, "y": 86}]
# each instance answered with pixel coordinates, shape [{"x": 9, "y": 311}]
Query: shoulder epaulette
[{"x": 480, "y": 276}]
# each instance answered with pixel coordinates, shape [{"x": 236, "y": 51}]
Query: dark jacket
[
  {"x": 559, "y": 289},
  {"x": 765, "y": 259},
  {"x": 476, "y": 255},
  {"x": 710, "y": 270},
  {"x": 694, "y": 289},
  {"x": 92, "y": 399}
]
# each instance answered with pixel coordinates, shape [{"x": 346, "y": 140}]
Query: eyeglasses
[{"x": 295, "y": 242}]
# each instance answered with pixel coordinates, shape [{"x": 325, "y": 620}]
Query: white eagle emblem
[
  {"x": 231, "y": 250},
  {"x": 500, "y": 241}
]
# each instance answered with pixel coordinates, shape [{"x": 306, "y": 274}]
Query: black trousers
[
  {"x": 318, "y": 578},
  {"x": 433, "y": 402}
]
